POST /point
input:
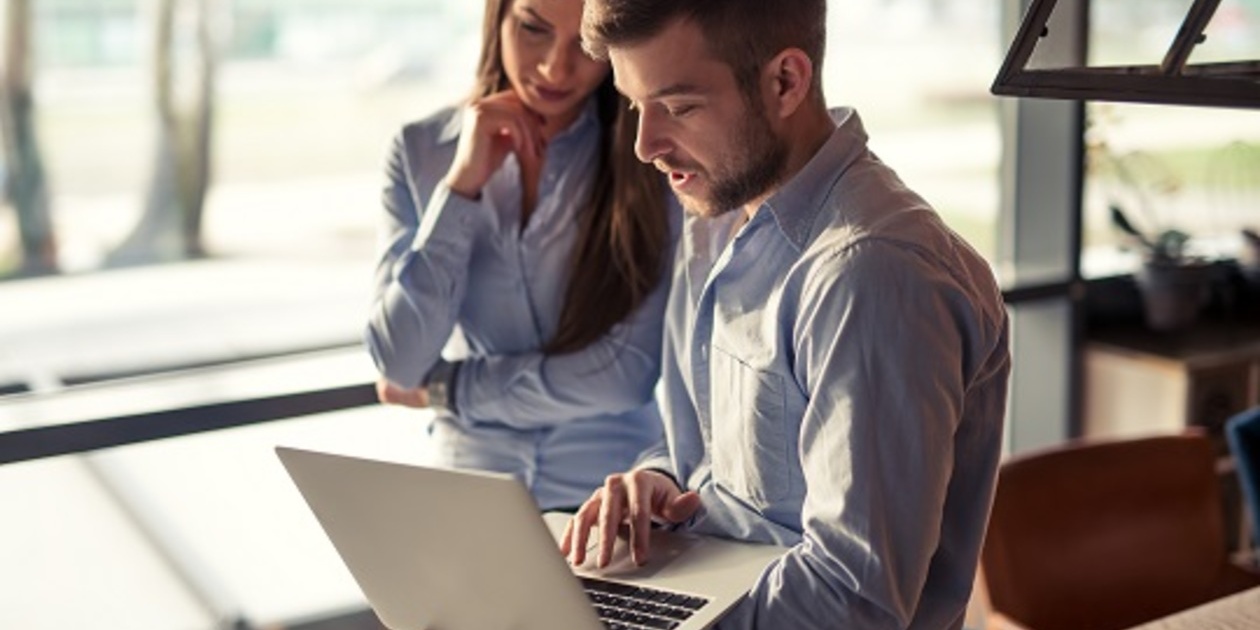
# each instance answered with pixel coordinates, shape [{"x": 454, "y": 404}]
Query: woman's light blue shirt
[{"x": 560, "y": 423}]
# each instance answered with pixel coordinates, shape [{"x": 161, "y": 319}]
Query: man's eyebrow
[{"x": 677, "y": 89}]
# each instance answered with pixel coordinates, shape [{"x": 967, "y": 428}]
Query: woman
[{"x": 525, "y": 219}]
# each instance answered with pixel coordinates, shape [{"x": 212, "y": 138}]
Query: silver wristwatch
[{"x": 440, "y": 383}]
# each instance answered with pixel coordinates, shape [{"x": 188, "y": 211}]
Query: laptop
[{"x": 439, "y": 549}]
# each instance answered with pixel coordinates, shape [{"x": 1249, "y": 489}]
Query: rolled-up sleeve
[{"x": 422, "y": 275}]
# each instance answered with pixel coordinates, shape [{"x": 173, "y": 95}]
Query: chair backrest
[
  {"x": 1105, "y": 535},
  {"x": 1243, "y": 433}
]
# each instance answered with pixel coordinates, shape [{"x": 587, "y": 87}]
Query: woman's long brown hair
[{"x": 621, "y": 249}]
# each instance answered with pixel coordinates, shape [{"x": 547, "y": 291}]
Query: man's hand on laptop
[{"x": 635, "y": 498}]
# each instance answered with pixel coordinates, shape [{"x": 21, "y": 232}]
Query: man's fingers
[
  {"x": 564, "y": 538},
  {"x": 578, "y": 530},
  {"x": 640, "y": 503},
  {"x": 681, "y": 508},
  {"x": 611, "y": 513},
  {"x": 635, "y": 497}
]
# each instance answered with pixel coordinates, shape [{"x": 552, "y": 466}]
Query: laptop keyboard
[{"x": 626, "y": 607}]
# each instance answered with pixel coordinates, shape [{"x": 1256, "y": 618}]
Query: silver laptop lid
[{"x": 441, "y": 549}]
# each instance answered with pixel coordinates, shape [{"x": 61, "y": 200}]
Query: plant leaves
[{"x": 1121, "y": 221}]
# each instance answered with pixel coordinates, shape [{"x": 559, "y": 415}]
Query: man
[{"x": 836, "y": 359}]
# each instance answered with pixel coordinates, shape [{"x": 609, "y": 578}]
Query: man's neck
[{"x": 805, "y": 136}]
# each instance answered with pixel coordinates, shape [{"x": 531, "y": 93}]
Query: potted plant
[{"x": 1174, "y": 284}]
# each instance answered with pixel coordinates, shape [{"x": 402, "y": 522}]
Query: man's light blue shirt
[
  {"x": 559, "y": 422},
  {"x": 835, "y": 377}
]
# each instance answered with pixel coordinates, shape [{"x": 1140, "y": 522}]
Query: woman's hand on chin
[{"x": 492, "y": 127}]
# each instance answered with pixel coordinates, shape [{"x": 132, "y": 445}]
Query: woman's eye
[{"x": 532, "y": 28}]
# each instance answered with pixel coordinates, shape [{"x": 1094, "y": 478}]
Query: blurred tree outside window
[
  {"x": 266, "y": 107},
  {"x": 24, "y": 181},
  {"x": 183, "y": 92}
]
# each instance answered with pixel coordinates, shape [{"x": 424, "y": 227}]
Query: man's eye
[{"x": 680, "y": 110}]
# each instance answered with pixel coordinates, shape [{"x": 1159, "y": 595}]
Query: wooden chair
[{"x": 1107, "y": 535}]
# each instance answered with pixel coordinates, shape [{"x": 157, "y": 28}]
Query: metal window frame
[{"x": 1175, "y": 81}]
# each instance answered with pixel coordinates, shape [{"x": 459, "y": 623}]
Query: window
[
  {"x": 919, "y": 72},
  {"x": 304, "y": 100},
  {"x": 1194, "y": 169}
]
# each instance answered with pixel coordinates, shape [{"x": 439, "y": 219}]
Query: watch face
[
  {"x": 439, "y": 383},
  {"x": 437, "y": 394}
]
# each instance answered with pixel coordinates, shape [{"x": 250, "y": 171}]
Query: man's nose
[{"x": 649, "y": 143}]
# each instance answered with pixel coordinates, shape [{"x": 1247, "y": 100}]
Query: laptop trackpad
[
  {"x": 678, "y": 560},
  {"x": 665, "y": 548}
]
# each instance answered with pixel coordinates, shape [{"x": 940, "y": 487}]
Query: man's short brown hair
[{"x": 744, "y": 34}]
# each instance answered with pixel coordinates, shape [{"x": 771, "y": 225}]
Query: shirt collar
[
  {"x": 795, "y": 205},
  {"x": 589, "y": 116}
]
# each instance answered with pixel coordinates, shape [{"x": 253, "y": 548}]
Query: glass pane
[
  {"x": 1192, "y": 169},
  {"x": 1140, "y": 33},
  {"x": 1056, "y": 44},
  {"x": 1232, "y": 35},
  {"x": 919, "y": 73},
  {"x": 306, "y": 98},
  {"x": 1127, "y": 33}
]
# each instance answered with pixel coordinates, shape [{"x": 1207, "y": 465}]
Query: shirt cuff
[{"x": 661, "y": 464}]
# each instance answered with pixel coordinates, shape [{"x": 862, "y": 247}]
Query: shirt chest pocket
[{"x": 750, "y": 454}]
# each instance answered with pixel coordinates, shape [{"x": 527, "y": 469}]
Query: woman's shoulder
[
  {"x": 440, "y": 127},
  {"x": 424, "y": 148}
]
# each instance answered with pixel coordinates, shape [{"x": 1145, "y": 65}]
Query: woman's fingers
[
  {"x": 513, "y": 117},
  {"x": 492, "y": 126}
]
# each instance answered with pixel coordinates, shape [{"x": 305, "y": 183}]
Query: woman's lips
[{"x": 548, "y": 94}]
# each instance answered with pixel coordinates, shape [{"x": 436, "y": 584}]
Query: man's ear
[{"x": 790, "y": 76}]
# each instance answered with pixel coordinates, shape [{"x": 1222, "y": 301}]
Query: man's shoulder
[{"x": 910, "y": 239}]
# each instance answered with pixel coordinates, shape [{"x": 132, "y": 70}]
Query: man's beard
[{"x": 734, "y": 185}]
